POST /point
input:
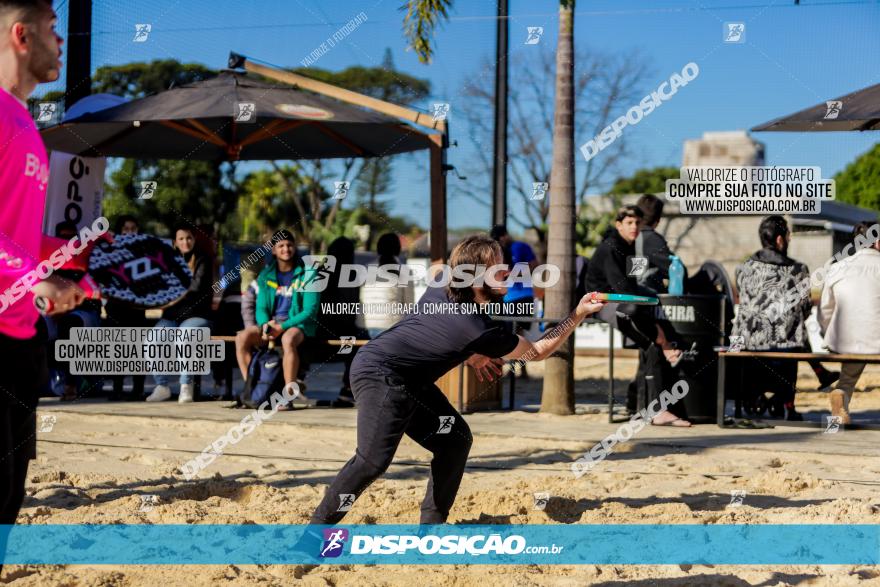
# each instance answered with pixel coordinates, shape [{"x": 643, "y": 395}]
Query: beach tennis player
[
  {"x": 30, "y": 52},
  {"x": 393, "y": 379}
]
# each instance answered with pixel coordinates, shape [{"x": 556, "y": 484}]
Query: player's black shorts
[{"x": 23, "y": 374}]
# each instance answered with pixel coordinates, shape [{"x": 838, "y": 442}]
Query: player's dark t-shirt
[{"x": 423, "y": 346}]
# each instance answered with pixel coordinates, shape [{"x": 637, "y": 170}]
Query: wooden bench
[
  {"x": 723, "y": 356},
  {"x": 231, "y": 339},
  {"x": 331, "y": 342},
  {"x": 610, "y": 353}
]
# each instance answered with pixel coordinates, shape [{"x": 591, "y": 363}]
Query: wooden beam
[
  {"x": 208, "y": 138},
  {"x": 273, "y": 129},
  {"x": 197, "y": 124},
  {"x": 326, "y": 89},
  {"x": 438, "y": 200}
]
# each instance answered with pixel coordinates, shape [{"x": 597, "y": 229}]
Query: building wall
[
  {"x": 723, "y": 148},
  {"x": 731, "y": 240}
]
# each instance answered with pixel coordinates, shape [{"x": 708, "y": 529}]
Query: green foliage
[
  {"x": 382, "y": 82},
  {"x": 419, "y": 23},
  {"x": 374, "y": 176},
  {"x": 592, "y": 224},
  {"x": 207, "y": 193},
  {"x": 139, "y": 79},
  {"x": 859, "y": 182},
  {"x": 645, "y": 181},
  {"x": 197, "y": 193},
  {"x": 274, "y": 198}
]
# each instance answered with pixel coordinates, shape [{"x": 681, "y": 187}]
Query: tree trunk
[{"x": 558, "y": 393}]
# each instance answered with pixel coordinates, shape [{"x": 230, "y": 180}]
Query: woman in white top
[
  {"x": 381, "y": 296},
  {"x": 849, "y": 313}
]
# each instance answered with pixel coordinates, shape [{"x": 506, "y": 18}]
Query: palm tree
[
  {"x": 419, "y": 23},
  {"x": 421, "y": 19},
  {"x": 557, "y": 396}
]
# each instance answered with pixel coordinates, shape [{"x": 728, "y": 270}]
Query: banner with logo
[
  {"x": 551, "y": 544},
  {"x": 76, "y": 184}
]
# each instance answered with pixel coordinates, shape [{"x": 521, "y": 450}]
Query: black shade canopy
[
  {"x": 232, "y": 117},
  {"x": 856, "y": 111}
]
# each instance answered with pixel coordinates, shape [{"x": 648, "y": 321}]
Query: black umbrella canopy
[
  {"x": 856, "y": 111},
  {"x": 232, "y": 117}
]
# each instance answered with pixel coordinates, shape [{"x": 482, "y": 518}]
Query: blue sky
[{"x": 793, "y": 57}]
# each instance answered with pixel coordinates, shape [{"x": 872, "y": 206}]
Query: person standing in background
[
  {"x": 333, "y": 325},
  {"x": 521, "y": 261},
  {"x": 382, "y": 295},
  {"x": 849, "y": 316},
  {"x": 520, "y": 258},
  {"x": 652, "y": 245}
]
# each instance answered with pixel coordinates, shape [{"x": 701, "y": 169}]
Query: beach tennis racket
[
  {"x": 627, "y": 299},
  {"x": 139, "y": 270}
]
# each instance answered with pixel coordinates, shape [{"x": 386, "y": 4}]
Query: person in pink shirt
[{"x": 30, "y": 54}]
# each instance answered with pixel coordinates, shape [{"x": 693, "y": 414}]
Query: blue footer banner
[{"x": 572, "y": 544}]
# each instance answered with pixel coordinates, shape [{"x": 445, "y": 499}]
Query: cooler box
[{"x": 699, "y": 321}]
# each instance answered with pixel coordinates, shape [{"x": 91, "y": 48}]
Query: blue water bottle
[{"x": 676, "y": 276}]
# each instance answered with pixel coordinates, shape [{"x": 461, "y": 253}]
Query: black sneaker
[{"x": 793, "y": 415}]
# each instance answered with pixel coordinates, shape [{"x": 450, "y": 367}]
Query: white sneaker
[
  {"x": 160, "y": 393},
  {"x": 186, "y": 393}
]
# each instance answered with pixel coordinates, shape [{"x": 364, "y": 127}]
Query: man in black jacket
[
  {"x": 651, "y": 244},
  {"x": 607, "y": 273}
]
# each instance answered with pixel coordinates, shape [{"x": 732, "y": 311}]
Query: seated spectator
[
  {"x": 284, "y": 309},
  {"x": 607, "y": 273},
  {"x": 652, "y": 245},
  {"x": 87, "y": 314},
  {"x": 334, "y": 325},
  {"x": 122, "y": 315},
  {"x": 385, "y": 294},
  {"x": 849, "y": 316},
  {"x": 763, "y": 279},
  {"x": 193, "y": 310}
]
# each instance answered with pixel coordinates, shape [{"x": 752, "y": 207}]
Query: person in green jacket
[{"x": 285, "y": 308}]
